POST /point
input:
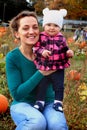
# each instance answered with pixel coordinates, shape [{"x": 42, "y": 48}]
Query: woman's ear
[{"x": 16, "y": 35}]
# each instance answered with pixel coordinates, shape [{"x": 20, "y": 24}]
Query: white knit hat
[{"x": 54, "y": 16}]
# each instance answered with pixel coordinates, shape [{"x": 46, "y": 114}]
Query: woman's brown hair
[{"x": 14, "y": 23}]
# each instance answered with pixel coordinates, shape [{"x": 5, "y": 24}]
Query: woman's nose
[{"x": 31, "y": 30}]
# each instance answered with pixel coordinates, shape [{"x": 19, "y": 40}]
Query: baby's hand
[
  {"x": 46, "y": 53},
  {"x": 70, "y": 53}
]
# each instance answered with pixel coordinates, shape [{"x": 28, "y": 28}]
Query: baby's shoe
[
  {"x": 58, "y": 106},
  {"x": 39, "y": 106}
]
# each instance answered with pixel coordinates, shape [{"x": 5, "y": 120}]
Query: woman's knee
[
  {"x": 57, "y": 126},
  {"x": 29, "y": 122},
  {"x": 32, "y": 124},
  {"x": 39, "y": 123}
]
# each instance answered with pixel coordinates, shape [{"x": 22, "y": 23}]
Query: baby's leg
[
  {"x": 41, "y": 92},
  {"x": 58, "y": 86}
]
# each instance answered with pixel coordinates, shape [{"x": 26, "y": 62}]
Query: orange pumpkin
[
  {"x": 3, "y": 103},
  {"x": 77, "y": 76},
  {"x": 82, "y": 45},
  {"x": 73, "y": 75},
  {"x": 2, "y": 31},
  {"x": 70, "y": 40}
]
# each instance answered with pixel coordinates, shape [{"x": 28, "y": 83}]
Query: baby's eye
[
  {"x": 49, "y": 24},
  {"x": 56, "y": 25}
]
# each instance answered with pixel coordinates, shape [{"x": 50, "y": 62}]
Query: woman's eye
[
  {"x": 35, "y": 27},
  {"x": 25, "y": 28}
]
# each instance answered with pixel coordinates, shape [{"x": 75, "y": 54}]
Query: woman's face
[{"x": 28, "y": 31}]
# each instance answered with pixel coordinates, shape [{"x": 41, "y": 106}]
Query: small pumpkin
[
  {"x": 2, "y": 31},
  {"x": 82, "y": 45},
  {"x": 3, "y": 103},
  {"x": 70, "y": 40},
  {"x": 73, "y": 75},
  {"x": 77, "y": 76}
]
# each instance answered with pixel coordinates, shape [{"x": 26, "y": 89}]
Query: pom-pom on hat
[{"x": 54, "y": 16}]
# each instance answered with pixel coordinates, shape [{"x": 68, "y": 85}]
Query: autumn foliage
[{"x": 76, "y": 10}]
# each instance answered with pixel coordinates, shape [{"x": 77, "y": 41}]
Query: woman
[{"x": 23, "y": 78}]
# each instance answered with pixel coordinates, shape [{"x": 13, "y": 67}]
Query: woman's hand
[{"x": 45, "y": 73}]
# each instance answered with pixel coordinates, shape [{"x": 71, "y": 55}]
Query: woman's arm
[
  {"x": 21, "y": 84},
  {"x": 19, "y": 88}
]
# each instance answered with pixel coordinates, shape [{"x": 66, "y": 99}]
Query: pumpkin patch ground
[{"x": 75, "y": 94}]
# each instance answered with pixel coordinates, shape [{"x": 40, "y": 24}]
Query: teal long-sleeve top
[{"x": 23, "y": 78}]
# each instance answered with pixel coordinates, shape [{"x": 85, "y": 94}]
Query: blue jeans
[{"x": 28, "y": 118}]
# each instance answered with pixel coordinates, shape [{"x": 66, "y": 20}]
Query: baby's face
[{"x": 51, "y": 29}]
